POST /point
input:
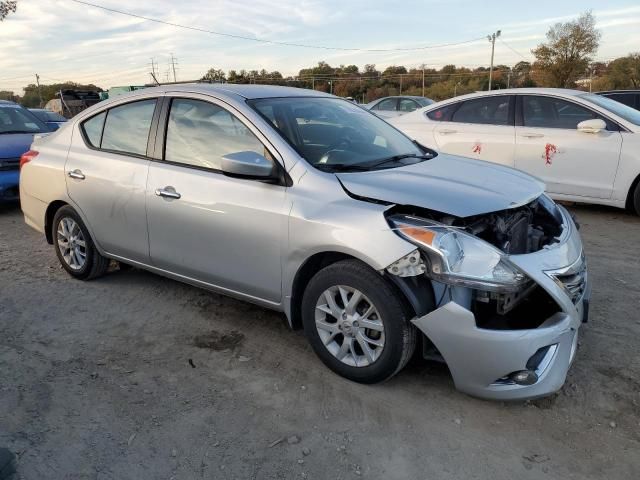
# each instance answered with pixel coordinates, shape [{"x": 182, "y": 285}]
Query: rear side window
[
  {"x": 200, "y": 133},
  {"x": 493, "y": 110},
  {"x": 126, "y": 128},
  {"x": 93, "y": 129},
  {"x": 387, "y": 105},
  {"x": 442, "y": 114}
]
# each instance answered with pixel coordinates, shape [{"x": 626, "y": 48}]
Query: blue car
[{"x": 17, "y": 128}]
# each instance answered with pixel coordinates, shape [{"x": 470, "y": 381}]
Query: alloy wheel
[
  {"x": 349, "y": 326},
  {"x": 71, "y": 243}
]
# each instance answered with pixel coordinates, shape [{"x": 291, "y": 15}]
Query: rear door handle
[
  {"x": 167, "y": 192},
  {"x": 77, "y": 174},
  {"x": 446, "y": 131},
  {"x": 532, "y": 135}
]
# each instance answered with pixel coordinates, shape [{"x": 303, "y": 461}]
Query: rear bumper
[{"x": 9, "y": 181}]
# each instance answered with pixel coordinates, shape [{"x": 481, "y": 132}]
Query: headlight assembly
[{"x": 456, "y": 257}]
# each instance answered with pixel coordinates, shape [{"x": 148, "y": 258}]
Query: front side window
[
  {"x": 333, "y": 134},
  {"x": 550, "y": 112},
  {"x": 407, "y": 105},
  {"x": 200, "y": 133},
  {"x": 388, "y": 105},
  {"x": 493, "y": 110},
  {"x": 127, "y": 127}
]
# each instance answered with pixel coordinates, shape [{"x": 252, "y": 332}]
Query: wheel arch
[
  {"x": 630, "y": 194},
  {"x": 416, "y": 292},
  {"x": 48, "y": 218}
]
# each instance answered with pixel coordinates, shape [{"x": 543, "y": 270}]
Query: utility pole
[
  {"x": 39, "y": 90},
  {"x": 590, "y": 77},
  {"x": 423, "y": 79},
  {"x": 509, "y": 77},
  {"x": 400, "y": 84},
  {"x": 173, "y": 67},
  {"x": 455, "y": 89},
  {"x": 492, "y": 39}
]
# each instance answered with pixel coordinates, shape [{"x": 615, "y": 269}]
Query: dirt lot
[{"x": 136, "y": 376}]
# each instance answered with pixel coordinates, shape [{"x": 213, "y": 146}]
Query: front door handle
[
  {"x": 77, "y": 174},
  {"x": 532, "y": 135},
  {"x": 167, "y": 192},
  {"x": 446, "y": 131}
]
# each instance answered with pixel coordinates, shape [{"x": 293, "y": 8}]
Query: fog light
[{"x": 524, "y": 377}]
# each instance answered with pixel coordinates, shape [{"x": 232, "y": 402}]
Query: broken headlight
[{"x": 456, "y": 257}]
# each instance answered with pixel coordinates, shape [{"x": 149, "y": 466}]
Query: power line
[
  {"x": 273, "y": 42},
  {"x": 512, "y": 49}
]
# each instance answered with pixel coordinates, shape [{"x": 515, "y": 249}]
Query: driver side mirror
[
  {"x": 247, "y": 164},
  {"x": 594, "y": 125}
]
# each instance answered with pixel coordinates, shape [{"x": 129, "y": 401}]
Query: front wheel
[
  {"x": 74, "y": 247},
  {"x": 357, "y": 323}
]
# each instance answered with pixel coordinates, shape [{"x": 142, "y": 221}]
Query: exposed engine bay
[{"x": 516, "y": 231}]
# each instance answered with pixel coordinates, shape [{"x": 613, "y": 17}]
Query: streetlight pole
[
  {"x": 492, "y": 39},
  {"x": 423, "y": 79}
]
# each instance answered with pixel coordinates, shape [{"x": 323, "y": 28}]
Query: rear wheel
[
  {"x": 357, "y": 323},
  {"x": 634, "y": 203},
  {"x": 74, "y": 247}
]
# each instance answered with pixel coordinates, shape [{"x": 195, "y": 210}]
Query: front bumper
[
  {"x": 9, "y": 185},
  {"x": 480, "y": 359}
]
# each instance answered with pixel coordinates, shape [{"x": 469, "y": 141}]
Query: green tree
[
  {"x": 7, "y": 7},
  {"x": 569, "y": 48},
  {"x": 624, "y": 72},
  {"x": 214, "y": 75}
]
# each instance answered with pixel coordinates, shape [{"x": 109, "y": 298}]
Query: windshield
[
  {"x": 15, "y": 119},
  {"x": 336, "y": 135},
  {"x": 620, "y": 109}
]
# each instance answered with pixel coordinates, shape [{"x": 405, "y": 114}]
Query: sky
[{"x": 63, "y": 40}]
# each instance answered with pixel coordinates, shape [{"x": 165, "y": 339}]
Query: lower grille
[{"x": 9, "y": 164}]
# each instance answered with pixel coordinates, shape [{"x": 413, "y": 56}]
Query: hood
[
  {"x": 448, "y": 184},
  {"x": 12, "y": 145}
]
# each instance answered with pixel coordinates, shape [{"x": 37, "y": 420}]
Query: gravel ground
[{"x": 134, "y": 376}]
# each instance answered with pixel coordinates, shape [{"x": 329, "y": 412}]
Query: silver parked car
[
  {"x": 389, "y": 107},
  {"x": 307, "y": 204}
]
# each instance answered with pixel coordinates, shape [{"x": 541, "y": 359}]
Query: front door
[
  {"x": 570, "y": 162},
  {"x": 224, "y": 231},
  {"x": 106, "y": 172}
]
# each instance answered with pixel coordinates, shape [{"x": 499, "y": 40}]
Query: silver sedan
[{"x": 307, "y": 204}]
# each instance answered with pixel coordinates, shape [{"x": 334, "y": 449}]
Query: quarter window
[
  {"x": 93, "y": 129},
  {"x": 200, "y": 133},
  {"x": 493, "y": 110},
  {"x": 550, "y": 112},
  {"x": 126, "y": 128},
  {"x": 442, "y": 114}
]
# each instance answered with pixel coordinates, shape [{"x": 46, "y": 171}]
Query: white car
[
  {"x": 389, "y": 107},
  {"x": 585, "y": 147}
]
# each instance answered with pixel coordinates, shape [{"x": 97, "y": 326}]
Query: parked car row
[
  {"x": 585, "y": 147},
  {"x": 308, "y": 204}
]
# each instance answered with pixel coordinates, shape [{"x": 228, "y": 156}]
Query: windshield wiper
[
  {"x": 397, "y": 158},
  {"x": 340, "y": 167}
]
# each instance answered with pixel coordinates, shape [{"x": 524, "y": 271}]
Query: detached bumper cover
[{"x": 478, "y": 358}]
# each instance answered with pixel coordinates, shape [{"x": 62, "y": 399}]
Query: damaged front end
[{"x": 509, "y": 292}]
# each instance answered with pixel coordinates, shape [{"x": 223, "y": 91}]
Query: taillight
[{"x": 27, "y": 157}]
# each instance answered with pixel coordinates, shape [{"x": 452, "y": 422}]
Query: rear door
[
  {"x": 479, "y": 128},
  {"x": 570, "y": 162},
  {"x": 106, "y": 173},
  {"x": 224, "y": 231}
]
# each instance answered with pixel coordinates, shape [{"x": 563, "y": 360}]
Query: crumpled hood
[
  {"x": 12, "y": 145},
  {"x": 448, "y": 184}
]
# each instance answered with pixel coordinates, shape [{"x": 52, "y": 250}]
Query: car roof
[
  {"x": 241, "y": 91},
  {"x": 8, "y": 102},
  {"x": 630, "y": 90}
]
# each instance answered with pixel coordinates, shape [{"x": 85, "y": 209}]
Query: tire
[
  {"x": 634, "y": 203},
  {"x": 390, "y": 321},
  {"x": 67, "y": 224}
]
